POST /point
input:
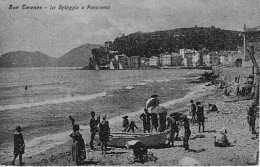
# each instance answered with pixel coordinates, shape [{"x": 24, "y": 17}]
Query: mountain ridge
[{"x": 76, "y": 57}]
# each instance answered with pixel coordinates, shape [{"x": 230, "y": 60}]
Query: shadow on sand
[{"x": 88, "y": 162}]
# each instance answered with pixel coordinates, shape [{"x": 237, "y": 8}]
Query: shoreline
[{"x": 56, "y": 141}]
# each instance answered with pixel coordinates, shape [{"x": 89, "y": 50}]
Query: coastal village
[
  {"x": 185, "y": 58},
  {"x": 130, "y": 83},
  {"x": 231, "y": 117}
]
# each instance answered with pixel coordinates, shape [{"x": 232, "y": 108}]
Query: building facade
[
  {"x": 165, "y": 59},
  {"x": 134, "y": 62},
  {"x": 187, "y": 56},
  {"x": 154, "y": 61}
]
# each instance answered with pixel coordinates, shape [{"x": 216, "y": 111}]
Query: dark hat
[
  {"x": 125, "y": 116},
  {"x": 18, "y": 128},
  {"x": 92, "y": 112}
]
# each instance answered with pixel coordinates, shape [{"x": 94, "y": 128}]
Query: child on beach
[
  {"x": 132, "y": 127},
  {"x": 104, "y": 132},
  {"x": 18, "y": 145}
]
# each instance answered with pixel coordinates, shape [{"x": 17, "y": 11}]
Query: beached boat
[{"x": 119, "y": 139}]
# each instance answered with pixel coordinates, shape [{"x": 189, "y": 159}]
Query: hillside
[
  {"x": 26, "y": 59},
  {"x": 77, "y": 57},
  {"x": 154, "y": 43}
]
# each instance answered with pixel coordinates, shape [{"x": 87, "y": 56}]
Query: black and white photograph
[{"x": 129, "y": 82}]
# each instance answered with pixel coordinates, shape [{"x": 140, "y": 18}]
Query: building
[
  {"x": 176, "y": 59},
  {"x": 123, "y": 60},
  {"x": 154, "y": 61},
  {"x": 212, "y": 59},
  {"x": 144, "y": 62},
  {"x": 165, "y": 59},
  {"x": 195, "y": 59},
  {"x": 108, "y": 44},
  {"x": 134, "y": 62},
  {"x": 187, "y": 56}
]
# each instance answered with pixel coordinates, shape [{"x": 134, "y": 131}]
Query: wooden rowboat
[{"x": 119, "y": 139}]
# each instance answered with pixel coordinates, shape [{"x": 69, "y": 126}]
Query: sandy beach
[{"x": 231, "y": 115}]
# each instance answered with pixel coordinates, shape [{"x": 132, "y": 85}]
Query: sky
[{"x": 55, "y": 32}]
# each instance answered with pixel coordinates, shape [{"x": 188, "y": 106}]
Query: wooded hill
[{"x": 154, "y": 43}]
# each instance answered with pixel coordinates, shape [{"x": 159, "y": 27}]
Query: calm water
[{"x": 49, "y": 84}]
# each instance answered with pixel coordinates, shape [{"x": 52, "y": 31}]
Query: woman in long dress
[
  {"x": 104, "y": 132},
  {"x": 18, "y": 145},
  {"x": 78, "y": 146}
]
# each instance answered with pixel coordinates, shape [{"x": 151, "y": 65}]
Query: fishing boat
[{"x": 119, "y": 139}]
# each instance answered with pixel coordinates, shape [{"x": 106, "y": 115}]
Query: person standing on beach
[
  {"x": 187, "y": 132},
  {"x": 162, "y": 122},
  {"x": 125, "y": 123},
  {"x": 104, "y": 132},
  {"x": 146, "y": 118},
  {"x": 200, "y": 116},
  {"x": 72, "y": 120},
  {"x": 19, "y": 145},
  {"x": 154, "y": 118},
  {"x": 93, "y": 123},
  {"x": 174, "y": 129},
  {"x": 193, "y": 111},
  {"x": 78, "y": 147},
  {"x": 251, "y": 117},
  {"x": 152, "y": 103}
]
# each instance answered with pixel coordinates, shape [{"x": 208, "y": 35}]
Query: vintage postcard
[{"x": 129, "y": 82}]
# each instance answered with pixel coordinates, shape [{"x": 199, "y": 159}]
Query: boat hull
[{"x": 118, "y": 139}]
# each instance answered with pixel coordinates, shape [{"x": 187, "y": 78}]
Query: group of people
[
  {"x": 197, "y": 114},
  {"x": 96, "y": 125},
  {"x": 150, "y": 122},
  {"x": 128, "y": 126}
]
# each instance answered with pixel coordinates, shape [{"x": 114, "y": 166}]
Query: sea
[{"x": 25, "y": 88}]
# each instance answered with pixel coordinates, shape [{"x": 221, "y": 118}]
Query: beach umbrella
[
  {"x": 188, "y": 161},
  {"x": 151, "y": 103},
  {"x": 154, "y": 96},
  {"x": 159, "y": 110}
]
